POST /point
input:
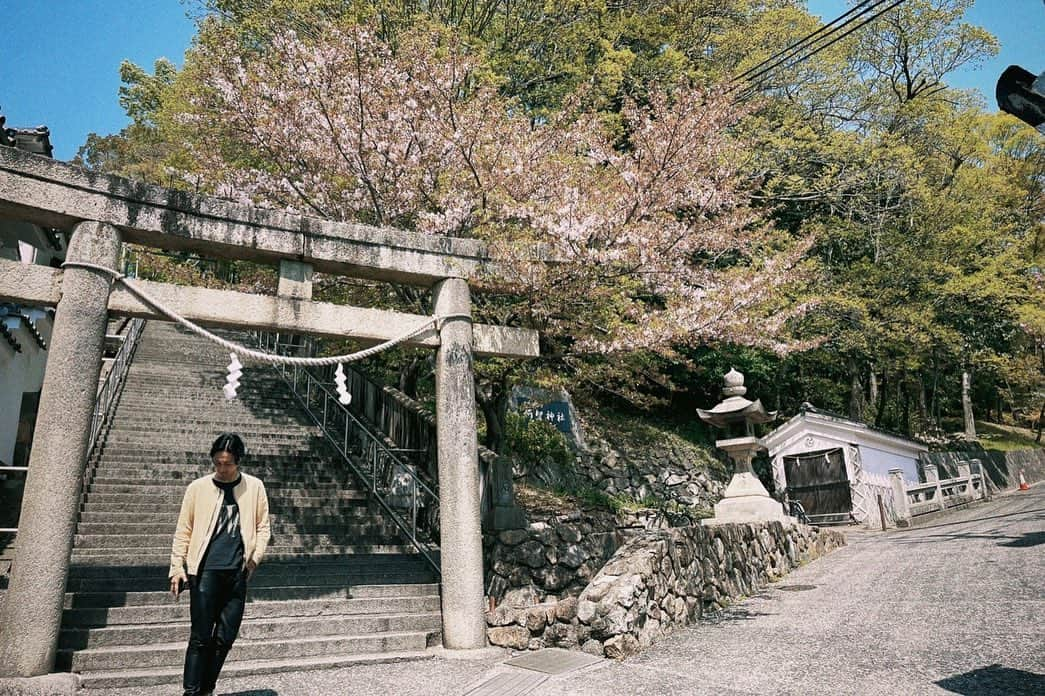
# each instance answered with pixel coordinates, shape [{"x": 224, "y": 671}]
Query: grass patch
[{"x": 1006, "y": 438}]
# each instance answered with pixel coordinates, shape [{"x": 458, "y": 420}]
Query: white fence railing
[{"x": 936, "y": 494}]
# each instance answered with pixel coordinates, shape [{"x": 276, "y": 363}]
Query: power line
[
  {"x": 834, "y": 37},
  {"x": 801, "y": 42}
]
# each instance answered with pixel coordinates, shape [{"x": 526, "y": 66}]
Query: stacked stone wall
[
  {"x": 657, "y": 581},
  {"x": 554, "y": 556},
  {"x": 674, "y": 470}
]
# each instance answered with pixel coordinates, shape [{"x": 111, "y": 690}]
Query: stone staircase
[{"x": 338, "y": 585}]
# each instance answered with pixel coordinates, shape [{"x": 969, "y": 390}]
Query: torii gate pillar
[
  {"x": 461, "y": 546},
  {"x": 32, "y": 611}
]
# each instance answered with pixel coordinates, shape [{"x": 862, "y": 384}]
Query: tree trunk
[
  {"x": 970, "y": 421},
  {"x": 934, "y": 405},
  {"x": 882, "y": 390},
  {"x": 923, "y": 404},
  {"x": 1041, "y": 412},
  {"x": 872, "y": 387},
  {"x": 905, "y": 405},
  {"x": 409, "y": 376},
  {"x": 493, "y": 400},
  {"x": 856, "y": 391}
]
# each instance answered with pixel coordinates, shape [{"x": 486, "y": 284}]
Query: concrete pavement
[{"x": 957, "y": 606}]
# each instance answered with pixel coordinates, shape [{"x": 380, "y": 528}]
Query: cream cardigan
[{"x": 199, "y": 514}]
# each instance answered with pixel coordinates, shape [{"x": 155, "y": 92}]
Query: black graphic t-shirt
[{"x": 225, "y": 551}]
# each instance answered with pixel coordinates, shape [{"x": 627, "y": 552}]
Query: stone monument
[{"x": 745, "y": 499}]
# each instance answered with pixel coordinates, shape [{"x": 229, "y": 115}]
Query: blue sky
[
  {"x": 60, "y": 58},
  {"x": 1019, "y": 26}
]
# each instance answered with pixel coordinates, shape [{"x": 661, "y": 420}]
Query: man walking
[{"x": 222, "y": 533}]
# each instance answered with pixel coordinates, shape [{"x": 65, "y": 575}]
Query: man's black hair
[{"x": 231, "y": 443}]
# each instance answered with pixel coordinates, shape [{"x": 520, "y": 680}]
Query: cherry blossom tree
[{"x": 630, "y": 236}]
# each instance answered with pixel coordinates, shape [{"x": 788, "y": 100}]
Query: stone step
[
  {"x": 280, "y": 528},
  {"x": 171, "y": 654},
  {"x": 195, "y": 423},
  {"x": 298, "y": 497},
  {"x": 155, "y": 389},
  {"x": 199, "y": 421},
  {"x": 281, "y": 592},
  {"x": 183, "y": 439},
  {"x": 178, "y": 610},
  {"x": 251, "y": 409},
  {"x": 198, "y": 464},
  {"x": 337, "y": 583},
  {"x": 297, "y": 509},
  {"x": 152, "y": 390},
  {"x": 103, "y": 681},
  {"x": 275, "y": 480},
  {"x": 170, "y": 370},
  {"x": 260, "y": 467},
  {"x": 157, "y": 555},
  {"x": 300, "y": 487},
  {"x": 305, "y": 452},
  {"x": 121, "y": 581},
  {"x": 144, "y": 542},
  {"x": 152, "y": 515},
  {"x": 255, "y": 629},
  {"x": 274, "y": 587},
  {"x": 316, "y": 570},
  {"x": 293, "y": 567},
  {"x": 132, "y": 451},
  {"x": 246, "y": 406}
]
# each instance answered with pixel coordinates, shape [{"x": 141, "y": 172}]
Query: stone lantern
[{"x": 745, "y": 499}]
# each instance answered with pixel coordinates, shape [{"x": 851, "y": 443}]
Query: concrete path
[{"x": 955, "y": 607}]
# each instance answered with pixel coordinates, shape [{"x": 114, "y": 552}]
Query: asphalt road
[{"x": 955, "y": 607}]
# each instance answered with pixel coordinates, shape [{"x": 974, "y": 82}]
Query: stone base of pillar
[
  {"x": 746, "y": 500},
  {"x": 490, "y": 652}
]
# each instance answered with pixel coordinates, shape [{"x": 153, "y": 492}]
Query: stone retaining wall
[
  {"x": 657, "y": 581},
  {"x": 1003, "y": 468},
  {"x": 674, "y": 470},
  {"x": 552, "y": 557},
  {"x": 637, "y": 465}
]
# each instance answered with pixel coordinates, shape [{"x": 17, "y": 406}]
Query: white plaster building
[
  {"x": 25, "y": 333},
  {"x": 838, "y": 467}
]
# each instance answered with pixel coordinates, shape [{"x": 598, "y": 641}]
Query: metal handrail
[
  {"x": 105, "y": 400},
  {"x": 374, "y": 463}
]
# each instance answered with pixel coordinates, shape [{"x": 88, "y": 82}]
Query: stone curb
[{"x": 46, "y": 685}]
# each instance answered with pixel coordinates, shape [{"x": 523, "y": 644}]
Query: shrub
[{"x": 534, "y": 441}]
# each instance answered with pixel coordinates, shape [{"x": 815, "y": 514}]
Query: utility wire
[
  {"x": 788, "y": 58},
  {"x": 834, "y": 37},
  {"x": 800, "y": 43}
]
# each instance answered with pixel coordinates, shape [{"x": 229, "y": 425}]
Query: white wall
[{"x": 877, "y": 461}]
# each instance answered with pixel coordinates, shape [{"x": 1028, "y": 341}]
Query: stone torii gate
[{"x": 103, "y": 212}]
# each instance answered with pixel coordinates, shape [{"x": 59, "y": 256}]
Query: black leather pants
[{"x": 216, "y": 606}]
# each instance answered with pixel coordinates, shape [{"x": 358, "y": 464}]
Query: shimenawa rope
[{"x": 256, "y": 355}]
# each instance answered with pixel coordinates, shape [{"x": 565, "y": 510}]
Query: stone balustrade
[{"x": 936, "y": 494}]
